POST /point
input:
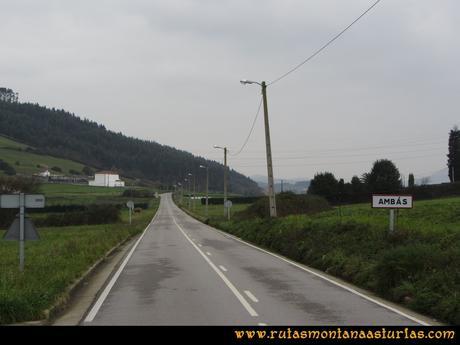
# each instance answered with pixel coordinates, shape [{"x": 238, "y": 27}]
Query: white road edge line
[
  {"x": 353, "y": 291},
  {"x": 251, "y": 296},
  {"x": 93, "y": 312},
  {"x": 262, "y": 324},
  {"x": 235, "y": 291},
  {"x": 223, "y": 268}
]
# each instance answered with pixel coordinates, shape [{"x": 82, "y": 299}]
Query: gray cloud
[{"x": 169, "y": 70}]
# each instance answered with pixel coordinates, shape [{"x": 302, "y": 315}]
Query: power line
[
  {"x": 335, "y": 163},
  {"x": 250, "y": 131},
  {"x": 324, "y": 46},
  {"x": 437, "y": 148}
]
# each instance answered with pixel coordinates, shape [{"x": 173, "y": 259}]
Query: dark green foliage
[
  {"x": 7, "y": 168},
  {"x": 88, "y": 171},
  {"x": 96, "y": 214},
  {"x": 434, "y": 191},
  {"x": 287, "y": 203},
  {"x": 384, "y": 177},
  {"x": 138, "y": 193},
  {"x": 325, "y": 185},
  {"x": 74, "y": 172},
  {"x": 233, "y": 199},
  {"x": 453, "y": 161},
  {"x": 57, "y": 169},
  {"x": 411, "y": 181},
  {"x": 61, "y": 134}
]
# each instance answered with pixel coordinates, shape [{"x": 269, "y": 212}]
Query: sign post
[
  {"x": 26, "y": 228},
  {"x": 228, "y": 206},
  {"x": 130, "y": 205},
  {"x": 392, "y": 202}
]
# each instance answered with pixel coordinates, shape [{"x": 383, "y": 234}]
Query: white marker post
[
  {"x": 21, "y": 231},
  {"x": 130, "y": 205},
  {"x": 392, "y": 202},
  {"x": 228, "y": 206}
]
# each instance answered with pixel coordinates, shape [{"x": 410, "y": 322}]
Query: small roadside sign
[
  {"x": 30, "y": 232},
  {"x": 228, "y": 204},
  {"x": 31, "y": 201},
  {"x": 130, "y": 205},
  {"x": 391, "y": 201},
  {"x": 22, "y": 228}
]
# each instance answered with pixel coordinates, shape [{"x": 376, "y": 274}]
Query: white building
[
  {"x": 107, "y": 179},
  {"x": 45, "y": 173}
]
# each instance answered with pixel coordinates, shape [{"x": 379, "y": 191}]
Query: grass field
[
  {"x": 65, "y": 194},
  {"x": 60, "y": 257},
  {"x": 418, "y": 265},
  {"x": 13, "y": 152}
]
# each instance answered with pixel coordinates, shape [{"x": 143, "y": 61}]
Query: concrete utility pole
[
  {"x": 207, "y": 186},
  {"x": 271, "y": 185},
  {"x": 225, "y": 176}
]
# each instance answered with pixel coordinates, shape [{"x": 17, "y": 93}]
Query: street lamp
[
  {"x": 187, "y": 180},
  {"x": 181, "y": 191},
  {"x": 191, "y": 194},
  {"x": 225, "y": 176},
  {"x": 207, "y": 186},
  {"x": 271, "y": 189}
]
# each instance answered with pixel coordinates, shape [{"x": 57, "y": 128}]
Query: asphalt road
[{"x": 182, "y": 272}]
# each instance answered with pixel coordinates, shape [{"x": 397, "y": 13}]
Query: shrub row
[
  {"x": 233, "y": 199},
  {"x": 286, "y": 204},
  {"x": 98, "y": 214}
]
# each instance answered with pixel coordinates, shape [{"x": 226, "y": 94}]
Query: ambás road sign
[{"x": 391, "y": 201}]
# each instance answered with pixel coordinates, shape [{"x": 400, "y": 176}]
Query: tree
[
  {"x": 8, "y": 95},
  {"x": 453, "y": 157},
  {"x": 411, "y": 181},
  {"x": 326, "y": 185},
  {"x": 384, "y": 177}
]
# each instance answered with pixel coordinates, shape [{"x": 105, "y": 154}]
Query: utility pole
[
  {"x": 225, "y": 176},
  {"x": 271, "y": 187},
  {"x": 207, "y": 186}
]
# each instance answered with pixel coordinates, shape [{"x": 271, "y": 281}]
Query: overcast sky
[{"x": 169, "y": 71}]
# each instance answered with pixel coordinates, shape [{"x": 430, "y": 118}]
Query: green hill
[
  {"x": 24, "y": 161},
  {"x": 60, "y": 134}
]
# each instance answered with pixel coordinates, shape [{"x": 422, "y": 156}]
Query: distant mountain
[
  {"x": 440, "y": 176},
  {"x": 297, "y": 185},
  {"x": 61, "y": 134}
]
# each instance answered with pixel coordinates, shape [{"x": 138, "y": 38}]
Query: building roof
[{"x": 107, "y": 172}]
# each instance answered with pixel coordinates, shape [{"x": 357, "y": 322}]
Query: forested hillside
[{"x": 62, "y": 134}]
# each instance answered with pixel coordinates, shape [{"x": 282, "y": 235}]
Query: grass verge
[{"x": 56, "y": 261}]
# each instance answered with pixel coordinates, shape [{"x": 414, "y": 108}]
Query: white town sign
[{"x": 391, "y": 201}]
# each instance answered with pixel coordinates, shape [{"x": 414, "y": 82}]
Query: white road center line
[
  {"x": 223, "y": 268},
  {"x": 262, "y": 324},
  {"x": 208, "y": 253},
  {"x": 251, "y": 296},
  {"x": 92, "y": 314},
  {"x": 200, "y": 245},
  {"x": 232, "y": 288}
]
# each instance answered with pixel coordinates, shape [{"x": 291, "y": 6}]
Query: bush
[
  {"x": 97, "y": 214},
  {"x": 233, "y": 199},
  {"x": 138, "y": 193},
  {"x": 7, "y": 168},
  {"x": 287, "y": 203},
  {"x": 57, "y": 169}
]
